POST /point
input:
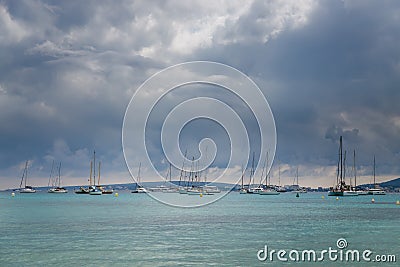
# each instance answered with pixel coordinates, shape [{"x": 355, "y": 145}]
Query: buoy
[
  {"x": 323, "y": 197},
  {"x": 201, "y": 195},
  {"x": 398, "y": 202},
  {"x": 297, "y": 195},
  {"x": 337, "y": 198},
  {"x": 116, "y": 194},
  {"x": 373, "y": 200},
  {"x": 13, "y": 194}
]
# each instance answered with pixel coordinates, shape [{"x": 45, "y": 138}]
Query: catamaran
[{"x": 26, "y": 188}]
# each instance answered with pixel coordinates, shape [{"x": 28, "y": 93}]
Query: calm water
[{"x": 134, "y": 230}]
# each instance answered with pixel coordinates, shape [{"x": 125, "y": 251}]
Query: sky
[{"x": 68, "y": 70}]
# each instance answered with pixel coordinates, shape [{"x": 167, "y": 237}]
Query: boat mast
[
  {"x": 51, "y": 174},
  {"x": 341, "y": 162},
  {"x": 251, "y": 170},
  {"x": 24, "y": 174},
  {"x": 354, "y": 168},
  {"x": 344, "y": 166},
  {"x": 268, "y": 173},
  {"x": 94, "y": 167},
  {"x": 182, "y": 170},
  {"x": 59, "y": 175},
  {"x": 98, "y": 181},
  {"x": 170, "y": 172},
  {"x": 91, "y": 169},
  {"x": 374, "y": 173},
  {"x": 242, "y": 176},
  {"x": 138, "y": 176},
  {"x": 279, "y": 175}
]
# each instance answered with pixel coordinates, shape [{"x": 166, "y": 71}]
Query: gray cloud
[{"x": 68, "y": 70}]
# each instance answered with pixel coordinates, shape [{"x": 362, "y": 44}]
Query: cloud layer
[{"x": 68, "y": 70}]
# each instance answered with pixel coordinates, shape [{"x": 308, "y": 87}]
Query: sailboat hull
[{"x": 27, "y": 190}]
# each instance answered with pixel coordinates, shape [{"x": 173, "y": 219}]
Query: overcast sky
[{"x": 327, "y": 68}]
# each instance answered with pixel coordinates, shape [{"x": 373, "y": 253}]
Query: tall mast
[
  {"x": 297, "y": 175},
  {"x": 59, "y": 175},
  {"x": 279, "y": 175},
  {"x": 242, "y": 177},
  {"x": 267, "y": 172},
  {"x": 341, "y": 162},
  {"x": 344, "y": 166},
  {"x": 94, "y": 167},
  {"x": 262, "y": 172},
  {"x": 374, "y": 172},
  {"x": 51, "y": 174},
  {"x": 251, "y": 170},
  {"x": 182, "y": 170},
  {"x": 98, "y": 181},
  {"x": 26, "y": 172},
  {"x": 354, "y": 167},
  {"x": 91, "y": 169},
  {"x": 138, "y": 176},
  {"x": 170, "y": 171}
]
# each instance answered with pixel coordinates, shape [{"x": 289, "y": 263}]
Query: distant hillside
[
  {"x": 395, "y": 183},
  {"x": 391, "y": 183}
]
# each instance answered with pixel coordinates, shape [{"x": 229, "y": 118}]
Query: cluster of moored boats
[
  {"x": 55, "y": 182},
  {"x": 190, "y": 188},
  {"x": 347, "y": 190}
]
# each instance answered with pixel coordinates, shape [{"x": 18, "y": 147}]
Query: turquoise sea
[{"x": 134, "y": 230}]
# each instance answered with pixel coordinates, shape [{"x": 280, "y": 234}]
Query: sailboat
[
  {"x": 268, "y": 190},
  {"x": 170, "y": 189},
  {"x": 279, "y": 188},
  {"x": 57, "y": 189},
  {"x": 26, "y": 188},
  {"x": 93, "y": 189},
  {"x": 242, "y": 189},
  {"x": 298, "y": 190},
  {"x": 251, "y": 190},
  {"x": 341, "y": 188},
  {"x": 82, "y": 190},
  {"x": 139, "y": 188},
  {"x": 103, "y": 190},
  {"x": 376, "y": 190}
]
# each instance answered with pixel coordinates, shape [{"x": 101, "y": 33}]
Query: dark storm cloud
[{"x": 68, "y": 70}]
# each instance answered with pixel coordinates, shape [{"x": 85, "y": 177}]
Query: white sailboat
[
  {"x": 242, "y": 189},
  {"x": 268, "y": 190},
  {"x": 58, "y": 188},
  {"x": 93, "y": 190},
  {"x": 376, "y": 190},
  {"x": 298, "y": 189},
  {"x": 139, "y": 189},
  {"x": 104, "y": 191},
  {"x": 26, "y": 188}
]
